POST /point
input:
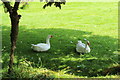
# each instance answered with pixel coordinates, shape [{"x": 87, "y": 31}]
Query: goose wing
[
  {"x": 80, "y": 47},
  {"x": 42, "y": 47}
]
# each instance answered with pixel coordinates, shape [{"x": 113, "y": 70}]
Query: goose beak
[
  {"x": 51, "y": 36},
  {"x": 88, "y": 43}
]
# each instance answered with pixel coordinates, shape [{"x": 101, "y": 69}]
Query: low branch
[{"x": 7, "y": 5}]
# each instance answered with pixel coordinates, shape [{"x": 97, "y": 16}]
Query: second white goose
[{"x": 83, "y": 48}]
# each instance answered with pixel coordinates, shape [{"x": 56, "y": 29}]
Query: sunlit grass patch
[{"x": 96, "y": 22}]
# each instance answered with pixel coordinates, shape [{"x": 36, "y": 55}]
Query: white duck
[
  {"x": 42, "y": 46},
  {"x": 83, "y": 48}
]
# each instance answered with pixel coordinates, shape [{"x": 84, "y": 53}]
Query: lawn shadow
[{"x": 62, "y": 55}]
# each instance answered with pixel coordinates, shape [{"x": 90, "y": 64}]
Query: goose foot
[{"x": 82, "y": 53}]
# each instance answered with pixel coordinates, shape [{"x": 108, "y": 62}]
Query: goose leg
[{"x": 76, "y": 52}]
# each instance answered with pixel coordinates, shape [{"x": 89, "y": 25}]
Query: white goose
[
  {"x": 83, "y": 48},
  {"x": 42, "y": 46}
]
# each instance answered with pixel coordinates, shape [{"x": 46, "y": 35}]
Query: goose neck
[
  {"x": 86, "y": 45},
  {"x": 48, "y": 41}
]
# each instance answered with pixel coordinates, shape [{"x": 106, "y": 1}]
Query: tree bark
[{"x": 14, "y": 34}]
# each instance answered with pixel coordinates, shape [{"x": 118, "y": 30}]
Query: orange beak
[
  {"x": 51, "y": 36},
  {"x": 88, "y": 43}
]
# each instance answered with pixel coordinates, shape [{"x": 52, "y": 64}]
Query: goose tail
[{"x": 32, "y": 45}]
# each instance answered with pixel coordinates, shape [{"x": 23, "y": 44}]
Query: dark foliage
[
  {"x": 52, "y": 2},
  {"x": 112, "y": 70},
  {"x": 24, "y": 5}
]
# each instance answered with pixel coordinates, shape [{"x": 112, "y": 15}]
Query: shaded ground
[{"x": 62, "y": 54}]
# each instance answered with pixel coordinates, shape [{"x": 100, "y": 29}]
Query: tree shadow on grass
[{"x": 62, "y": 55}]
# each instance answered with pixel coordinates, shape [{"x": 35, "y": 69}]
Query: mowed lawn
[{"x": 97, "y": 22}]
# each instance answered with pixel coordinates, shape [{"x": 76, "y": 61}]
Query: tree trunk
[
  {"x": 14, "y": 17},
  {"x": 14, "y": 33}
]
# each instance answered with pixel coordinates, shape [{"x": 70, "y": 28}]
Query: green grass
[{"x": 97, "y": 22}]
